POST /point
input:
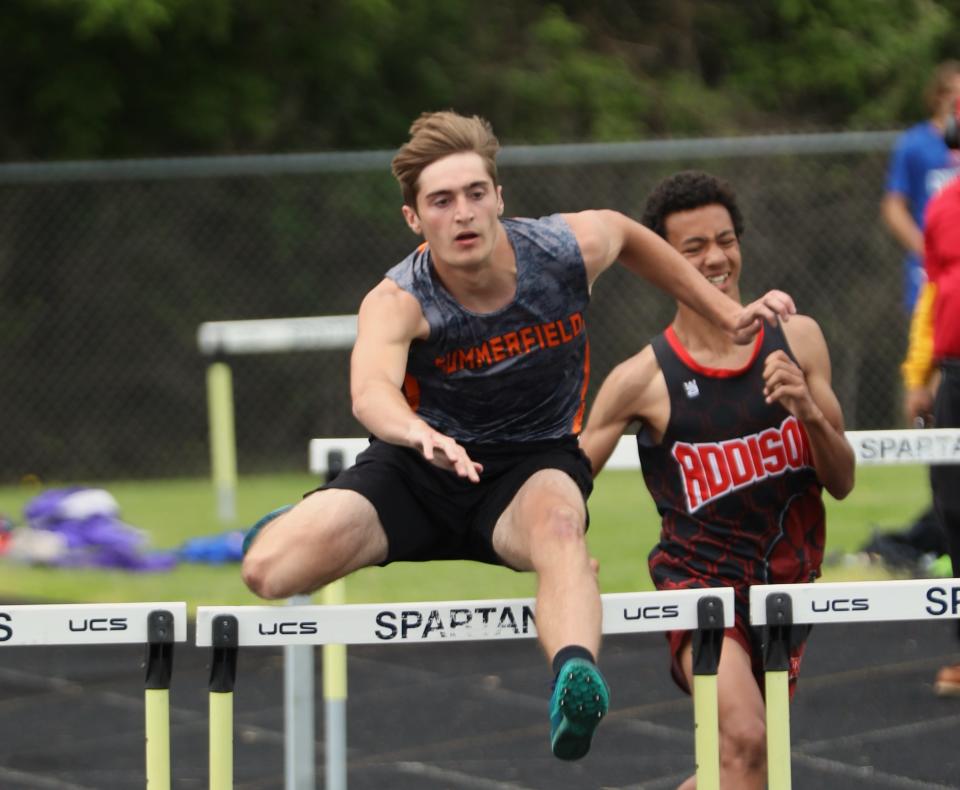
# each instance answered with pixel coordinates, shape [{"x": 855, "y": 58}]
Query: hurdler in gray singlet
[{"x": 518, "y": 373}]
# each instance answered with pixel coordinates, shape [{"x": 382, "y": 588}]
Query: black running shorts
[{"x": 429, "y": 513}]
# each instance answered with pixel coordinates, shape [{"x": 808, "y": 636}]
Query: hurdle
[
  {"x": 218, "y": 340},
  {"x": 782, "y": 606},
  {"x": 157, "y": 625},
  {"x": 226, "y": 629},
  {"x": 880, "y": 447}
]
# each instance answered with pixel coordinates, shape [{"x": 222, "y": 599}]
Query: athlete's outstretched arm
[
  {"x": 628, "y": 394},
  {"x": 605, "y": 236},
  {"x": 806, "y": 392},
  {"x": 389, "y": 320}
]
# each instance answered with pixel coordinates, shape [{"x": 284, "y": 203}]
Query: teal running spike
[
  {"x": 580, "y": 700},
  {"x": 255, "y": 529}
]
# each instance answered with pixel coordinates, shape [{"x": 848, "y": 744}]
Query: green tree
[{"x": 120, "y": 78}]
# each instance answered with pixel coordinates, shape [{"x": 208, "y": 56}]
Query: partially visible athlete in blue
[
  {"x": 920, "y": 166},
  {"x": 470, "y": 371}
]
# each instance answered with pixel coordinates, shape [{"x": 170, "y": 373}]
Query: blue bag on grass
[{"x": 214, "y": 549}]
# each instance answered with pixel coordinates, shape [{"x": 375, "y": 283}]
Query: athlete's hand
[
  {"x": 769, "y": 307},
  {"x": 440, "y": 450},
  {"x": 918, "y": 406},
  {"x": 784, "y": 383}
]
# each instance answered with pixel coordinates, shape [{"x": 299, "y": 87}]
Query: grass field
[{"x": 624, "y": 526}]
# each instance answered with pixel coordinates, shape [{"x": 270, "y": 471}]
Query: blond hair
[
  {"x": 435, "y": 135},
  {"x": 939, "y": 84}
]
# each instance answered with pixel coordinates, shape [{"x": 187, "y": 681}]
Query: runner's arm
[
  {"x": 806, "y": 392},
  {"x": 626, "y": 395},
  {"x": 389, "y": 320},
  {"x": 896, "y": 216},
  {"x": 605, "y": 236}
]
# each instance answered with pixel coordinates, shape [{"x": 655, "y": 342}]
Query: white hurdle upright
[
  {"x": 782, "y": 606},
  {"x": 157, "y": 625},
  {"x": 706, "y": 611}
]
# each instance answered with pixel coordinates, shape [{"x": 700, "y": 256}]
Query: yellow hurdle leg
[
  {"x": 157, "y": 707},
  {"x": 223, "y": 673},
  {"x": 156, "y": 697},
  {"x": 221, "y": 740},
  {"x": 223, "y": 442},
  {"x": 778, "y": 729},
  {"x": 706, "y": 723},
  {"x": 334, "y": 656},
  {"x": 335, "y": 699}
]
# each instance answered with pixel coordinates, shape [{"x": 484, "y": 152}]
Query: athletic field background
[{"x": 623, "y": 528}]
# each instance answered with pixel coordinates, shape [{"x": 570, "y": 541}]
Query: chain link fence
[{"x": 107, "y": 270}]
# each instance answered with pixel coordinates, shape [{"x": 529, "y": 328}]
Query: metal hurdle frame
[
  {"x": 226, "y": 629},
  {"x": 781, "y": 606},
  {"x": 157, "y": 625}
]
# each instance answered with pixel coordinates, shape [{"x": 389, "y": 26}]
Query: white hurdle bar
[
  {"x": 454, "y": 621},
  {"x": 781, "y": 606},
  {"x": 157, "y": 625},
  {"x": 931, "y": 446}
]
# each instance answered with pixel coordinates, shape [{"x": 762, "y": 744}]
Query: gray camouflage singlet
[{"x": 514, "y": 375}]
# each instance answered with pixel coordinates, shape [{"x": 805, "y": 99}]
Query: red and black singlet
[{"x": 732, "y": 478}]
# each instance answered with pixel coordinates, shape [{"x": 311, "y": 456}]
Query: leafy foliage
[{"x": 118, "y": 78}]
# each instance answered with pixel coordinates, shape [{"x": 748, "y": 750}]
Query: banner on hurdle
[
  {"x": 930, "y": 446},
  {"x": 443, "y": 621},
  {"x": 860, "y": 602},
  {"x": 85, "y": 624}
]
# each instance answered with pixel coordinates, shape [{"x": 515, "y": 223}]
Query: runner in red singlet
[{"x": 736, "y": 443}]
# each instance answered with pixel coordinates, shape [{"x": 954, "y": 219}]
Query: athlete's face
[
  {"x": 950, "y": 97},
  {"x": 705, "y": 236},
  {"x": 457, "y": 211}
]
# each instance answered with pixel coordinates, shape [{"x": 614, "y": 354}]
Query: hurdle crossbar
[
  {"x": 931, "y": 446},
  {"x": 445, "y": 621},
  {"x": 85, "y": 624},
  {"x": 860, "y": 602},
  {"x": 780, "y": 607},
  {"x": 448, "y": 621}
]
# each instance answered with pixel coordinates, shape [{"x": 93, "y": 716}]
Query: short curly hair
[{"x": 687, "y": 190}]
